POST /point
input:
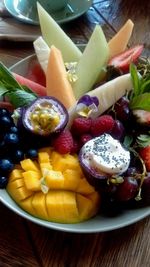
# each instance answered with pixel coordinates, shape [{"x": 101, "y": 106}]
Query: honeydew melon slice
[
  {"x": 120, "y": 41},
  {"x": 54, "y": 35},
  {"x": 92, "y": 62},
  {"x": 42, "y": 51}
]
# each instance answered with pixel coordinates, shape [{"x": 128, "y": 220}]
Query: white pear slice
[
  {"x": 42, "y": 51},
  {"x": 92, "y": 62},
  {"x": 54, "y": 35}
]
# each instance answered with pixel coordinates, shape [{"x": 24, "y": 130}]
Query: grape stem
[{"x": 142, "y": 175}]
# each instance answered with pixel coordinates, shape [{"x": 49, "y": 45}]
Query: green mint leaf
[
  {"x": 127, "y": 141},
  {"x": 7, "y": 78},
  {"x": 20, "y": 98},
  {"x": 145, "y": 86},
  {"x": 140, "y": 102},
  {"x": 3, "y": 91},
  {"x": 28, "y": 90},
  {"x": 143, "y": 140},
  {"x": 135, "y": 79}
]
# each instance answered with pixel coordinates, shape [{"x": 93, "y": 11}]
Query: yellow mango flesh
[
  {"x": 32, "y": 180},
  {"x": 53, "y": 188},
  {"x": 39, "y": 205}
]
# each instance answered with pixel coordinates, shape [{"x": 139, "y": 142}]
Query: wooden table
[{"x": 23, "y": 243}]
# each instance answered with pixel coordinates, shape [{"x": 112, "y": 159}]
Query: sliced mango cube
[
  {"x": 71, "y": 179},
  {"x": 47, "y": 150},
  {"x": 45, "y": 167},
  {"x": 54, "y": 180},
  {"x": 39, "y": 205},
  {"x": 29, "y": 165},
  {"x": 62, "y": 206},
  {"x": 55, "y": 157},
  {"x": 15, "y": 174},
  {"x": 18, "y": 193},
  {"x": 32, "y": 180},
  {"x": 43, "y": 157},
  {"x": 84, "y": 187},
  {"x": 66, "y": 162},
  {"x": 26, "y": 204}
]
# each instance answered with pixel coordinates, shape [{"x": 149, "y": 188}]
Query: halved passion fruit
[
  {"x": 102, "y": 157},
  {"x": 45, "y": 116}
]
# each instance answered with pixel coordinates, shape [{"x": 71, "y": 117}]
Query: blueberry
[
  {"x": 4, "y": 112},
  {"x": 14, "y": 129},
  {"x": 3, "y": 182},
  {"x": 6, "y": 166},
  {"x": 17, "y": 156},
  {"x": 31, "y": 153},
  {"x": 11, "y": 139},
  {"x": 5, "y": 123}
]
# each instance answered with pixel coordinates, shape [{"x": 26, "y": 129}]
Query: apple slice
[
  {"x": 54, "y": 35},
  {"x": 91, "y": 64},
  {"x": 119, "y": 42}
]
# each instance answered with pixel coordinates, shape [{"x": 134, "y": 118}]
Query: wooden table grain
[{"x": 25, "y": 244}]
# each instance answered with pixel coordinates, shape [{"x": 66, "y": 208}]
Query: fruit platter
[{"x": 75, "y": 132}]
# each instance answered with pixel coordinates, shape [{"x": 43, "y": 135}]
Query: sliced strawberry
[
  {"x": 123, "y": 60},
  {"x": 145, "y": 155}
]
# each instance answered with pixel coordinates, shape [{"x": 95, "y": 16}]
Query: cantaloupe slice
[
  {"x": 120, "y": 41},
  {"x": 54, "y": 35},
  {"x": 91, "y": 65},
  {"x": 57, "y": 83}
]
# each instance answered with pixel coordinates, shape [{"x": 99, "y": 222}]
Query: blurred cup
[{"x": 52, "y": 5}]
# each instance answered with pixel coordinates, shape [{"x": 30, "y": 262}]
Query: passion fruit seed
[{"x": 44, "y": 118}]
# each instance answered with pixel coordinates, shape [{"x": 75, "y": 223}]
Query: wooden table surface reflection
[{"x": 23, "y": 243}]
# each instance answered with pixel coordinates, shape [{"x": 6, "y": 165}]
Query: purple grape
[
  {"x": 128, "y": 189},
  {"x": 122, "y": 109},
  {"x": 146, "y": 190},
  {"x": 118, "y": 130}
]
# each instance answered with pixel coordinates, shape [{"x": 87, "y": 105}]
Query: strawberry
[
  {"x": 102, "y": 124},
  {"x": 145, "y": 155},
  {"x": 63, "y": 143},
  {"x": 81, "y": 126}
]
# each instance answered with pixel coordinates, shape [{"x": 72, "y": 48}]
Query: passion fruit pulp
[{"x": 45, "y": 116}]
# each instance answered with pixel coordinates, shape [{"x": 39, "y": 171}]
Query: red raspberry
[
  {"x": 85, "y": 138},
  {"x": 81, "y": 126},
  {"x": 101, "y": 125},
  {"x": 63, "y": 143},
  {"x": 76, "y": 147},
  {"x": 145, "y": 155}
]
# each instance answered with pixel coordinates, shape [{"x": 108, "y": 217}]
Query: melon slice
[
  {"x": 57, "y": 83},
  {"x": 120, "y": 41},
  {"x": 54, "y": 35},
  {"x": 91, "y": 64}
]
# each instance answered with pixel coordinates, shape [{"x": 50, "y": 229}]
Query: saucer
[{"x": 22, "y": 10}]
